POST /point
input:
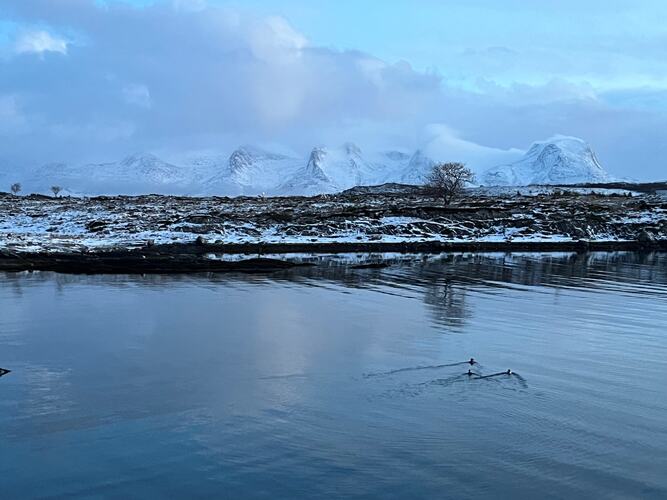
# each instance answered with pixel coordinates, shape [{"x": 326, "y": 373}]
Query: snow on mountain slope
[
  {"x": 389, "y": 166},
  {"x": 139, "y": 168},
  {"x": 251, "y": 170},
  {"x": 201, "y": 166},
  {"x": 311, "y": 179},
  {"x": 247, "y": 171},
  {"x": 135, "y": 174},
  {"x": 55, "y": 170},
  {"x": 60, "y": 174},
  {"x": 417, "y": 169},
  {"x": 559, "y": 160},
  {"x": 333, "y": 169}
]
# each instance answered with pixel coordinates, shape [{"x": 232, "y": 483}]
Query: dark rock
[
  {"x": 645, "y": 237},
  {"x": 96, "y": 226},
  {"x": 580, "y": 233}
]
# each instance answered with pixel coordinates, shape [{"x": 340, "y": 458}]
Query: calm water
[{"x": 303, "y": 384}]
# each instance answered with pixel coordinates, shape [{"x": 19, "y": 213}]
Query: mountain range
[{"x": 251, "y": 170}]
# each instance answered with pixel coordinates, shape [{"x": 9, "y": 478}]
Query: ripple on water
[{"x": 330, "y": 381}]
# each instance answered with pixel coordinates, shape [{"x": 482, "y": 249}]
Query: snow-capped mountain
[
  {"x": 54, "y": 170},
  {"x": 559, "y": 160},
  {"x": 141, "y": 168},
  {"x": 251, "y": 170},
  {"x": 334, "y": 169},
  {"x": 310, "y": 179},
  {"x": 147, "y": 166},
  {"x": 134, "y": 174},
  {"x": 417, "y": 169}
]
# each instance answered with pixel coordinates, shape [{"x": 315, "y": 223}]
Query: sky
[{"x": 94, "y": 80}]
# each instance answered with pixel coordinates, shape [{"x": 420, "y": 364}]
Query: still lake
[{"x": 328, "y": 381}]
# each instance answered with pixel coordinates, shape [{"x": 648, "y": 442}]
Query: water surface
[{"x": 327, "y": 381}]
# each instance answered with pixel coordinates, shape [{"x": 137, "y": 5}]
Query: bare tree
[
  {"x": 55, "y": 190},
  {"x": 447, "y": 180},
  {"x": 16, "y": 188}
]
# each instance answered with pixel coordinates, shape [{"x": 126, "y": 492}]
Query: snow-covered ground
[{"x": 30, "y": 224}]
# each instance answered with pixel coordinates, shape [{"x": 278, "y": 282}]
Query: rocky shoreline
[{"x": 161, "y": 234}]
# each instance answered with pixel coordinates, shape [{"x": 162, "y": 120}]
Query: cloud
[
  {"x": 186, "y": 74},
  {"x": 443, "y": 143},
  {"x": 38, "y": 42},
  {"x": 181, "y": 77},
  {"x": 273, "y": 40}
]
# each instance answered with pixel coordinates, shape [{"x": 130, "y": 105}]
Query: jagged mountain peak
[
  {"x": 419, "y": 157},
  {"x": 328, "y": 170},
  {"x": 418, "y": 168},
  {"x": 315, "y": 166},
  {"x": 240, "y": 159},
  {"x": 252, "y": 153},
  {"x": 254, "y": 170},
  {"x": 318, "y": 154}
]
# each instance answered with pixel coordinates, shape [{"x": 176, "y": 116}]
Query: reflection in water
[
  {"x": 447, "y": 303},
  {"x": 331, "y": 381},
  {"x": 441, "y": 281}
]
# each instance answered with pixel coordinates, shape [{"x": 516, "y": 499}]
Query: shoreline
[
  {"x": 161, "y": 234},
  {"x": 185, "y": 258}
]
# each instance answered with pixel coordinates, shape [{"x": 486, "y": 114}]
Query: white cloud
[
  {"x": 442, "y": 142},
  {"x": 38, "y": 42},
  {"x": 274, "y": 40},
  {"x": 203, "y": 74}
]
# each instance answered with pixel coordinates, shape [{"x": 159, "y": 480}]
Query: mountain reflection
[{"x": 440, "y": 281}]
